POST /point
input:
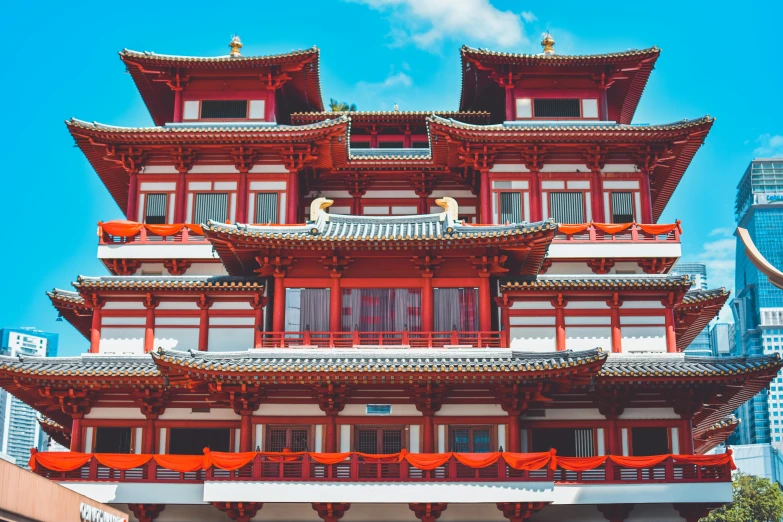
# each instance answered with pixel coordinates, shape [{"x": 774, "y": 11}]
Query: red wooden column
[
  {"x": 178, "y": 105},
  {"x": 427, "y": 309},
  {"x": 77, "y": 437},
  {"x": 242, "y": 189},
  {"x": 203, "y": 325},
  {"x": 278, "y": 310},
  {"x": 486, "y": 200},
  {"x": 671, "y": 336},
  {"x": 292, "y": 209},
  {"x": 152, "y": 403},
  {"x": 180, "y": 198},
  {"x": 258, "y": 303},
  {"x": 560, "y": 328},
  {"x": 505, "y": 320},
  {"x": 598, "y": 198},
  {"x": 514, "y": 443},
  {"x": 611, "y": 404},
  {"x": 95, "y": 327},
  {"x": 485, "y": 303},
  {"x": 617, "y": 335},
  {"x": 428, "y": 399},
  {"x": 149, "y": 326},
  {"x": 686, "y": 437},
  {"x": 335, "y": 304},
  {"x": 133, "y": 196},
  {"x": 510, "y": 103},
  {"x": 536, "y": 212},
  {"x": 331, "y": 399}
]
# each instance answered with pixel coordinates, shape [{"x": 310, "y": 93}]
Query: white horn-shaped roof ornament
[
  {"x": 774, "y": 275},
  {"x": 451, "y": 207},
  {"x": 318, "y": 207}
]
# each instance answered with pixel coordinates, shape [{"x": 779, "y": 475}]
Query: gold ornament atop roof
[
  {"x": 548, "y": 43},
  {"x": 236, "y": 46}
]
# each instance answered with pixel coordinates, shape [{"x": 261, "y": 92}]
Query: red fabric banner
[
  {"x": 570, "y": 229},
  {"x": 68, "y": 461},
  {"x": 122, "y": 228}
]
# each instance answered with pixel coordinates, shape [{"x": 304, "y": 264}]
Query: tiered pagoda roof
[
  {"x": 667, "y": 149},
  {"x": 152, "y": 72},
  {"x": 625, "y": 75},
  {"x": 715, "y": 434},
  {"x": 695, "y": 312}
]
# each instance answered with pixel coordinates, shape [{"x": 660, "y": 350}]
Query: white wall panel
[
  {"x": 587, "y": 319},
  {"x": 644, "y": 339},
  {"x": 230, "y": 339},
  {"x": 652, "y": 320},
  {"x": 268, "y": 185},
  {"x": 532, "y": 305},
  {"x": 176, "y": 305},
  {"x": 268, "y": 169},
  {"x": 479, "y": 410},
  {"x": 516, "y": 320},
  {"x": 109, "y": 321},
  {"x": 587, "y": 305},
  {"x": 176, "y": 338},
  {"x": 231, "y": 321},
  {"x": 533, "y": 339},
  {"x": 578, "y": 338},
  {"x": 231, "y": 305},
  {"x": 178, "y": 321},
  {"x": 414, "y": 438},
  {"x": 122, "y": 340},
  {"x": 123, "y": 305},
  {"x": 345, "y": 437}
]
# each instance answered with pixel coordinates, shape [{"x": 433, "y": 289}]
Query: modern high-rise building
[
  {"x": 19, "y": 428},
  {"x": 758, "y": 304},
  {"x": 702, "y": 344},
  {"x": 722, "y": 339}
]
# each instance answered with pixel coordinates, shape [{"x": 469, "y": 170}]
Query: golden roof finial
[
  {"x": 236, "y": 46},
  {"x": 548, "y": 43}
]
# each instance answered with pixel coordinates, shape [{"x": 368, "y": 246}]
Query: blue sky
[{"x": 60, "y": 60}]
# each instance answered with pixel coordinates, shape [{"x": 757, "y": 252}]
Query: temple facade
[{"x": 463, "y": 315}]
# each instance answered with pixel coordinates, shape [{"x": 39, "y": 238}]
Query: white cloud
[
  {"x": 718, "y": 255},
  {"x": 769, "y": 146},
  {"x": 399, "y": 79},
  {"x": 426, "y": 23},
  {"x": 528, "y": 16}
]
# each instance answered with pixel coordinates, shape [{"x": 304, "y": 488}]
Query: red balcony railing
[
  {"x": 389, "y": 339},
  {"x": 114, "y": 233},
  {"x": 626, "y": 233},
  {"x": 357, "y": 468}
]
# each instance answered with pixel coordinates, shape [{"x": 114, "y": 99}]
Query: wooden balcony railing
[
  {"x": 633, "y": 233},
  {"x": 356, "y": 469},
  {"x": 387, "y": 339}
]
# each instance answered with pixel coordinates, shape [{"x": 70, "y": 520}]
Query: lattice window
[
  {"x": 112, "y": 440},
  {"x": 622, "y": 207},
  {"x": 557, "y": 108},
  {"x": 211, "y": 206},
  {"x": 510, "y": 207},
  {"x": 266, "y": 208},
  {"x": 291, "y": 438},
  {"x": 216, "y": 109},
  {"x": 471, "y": 439},
  {"x": 379, "y": 440},
  {"x": 567, "y": 207}
]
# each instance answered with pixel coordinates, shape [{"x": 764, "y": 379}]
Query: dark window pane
[
  {"x": 299, "y": 439},
  {"x": 556, "y": 108},
  {"x": 566, "y": 207},
  {"x": 360, "y": 144},
  {"x": 569, "y": 442},
  {"x": 622, "y": 207},
  {"x": 192, "y": 441},
  {"x": 420, "y": 145},
  {"x": 112, "y": 440},
  {"x": 367, "y": 440},
  {"x": 211, "y": 206},
  {"x": 155, "y": 213},
  {"x": 390, "y": 145},
  {"x": 510, "y": 207},
  {"x": 481, "y": 442},
  {"x": 649, "y": 441},
  {"x": 277, "y": 439},
  {"x": 266, "y": 208},
  {"x": 392, "y": 441},
  {"x": 224, "y": 109}
]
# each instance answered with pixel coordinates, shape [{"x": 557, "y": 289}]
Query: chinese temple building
[{"x": 461, "y": 316}]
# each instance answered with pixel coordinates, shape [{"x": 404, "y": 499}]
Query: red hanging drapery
[
  {"x": 570, "y": 229},
  {"x": 68, "y": 461},
  {"x": 122, "y": 228}
]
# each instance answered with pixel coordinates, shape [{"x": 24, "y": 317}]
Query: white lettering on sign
[{"x": 93, "y": 514}]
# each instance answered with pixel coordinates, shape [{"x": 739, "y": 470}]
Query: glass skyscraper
[
  {"x": 758, "y": 305},
  {"x": 19, "y": 428},
  {"x": 702, "y": 344}
]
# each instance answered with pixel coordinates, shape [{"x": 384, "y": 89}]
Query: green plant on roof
[{"x": 338, "y": 106}]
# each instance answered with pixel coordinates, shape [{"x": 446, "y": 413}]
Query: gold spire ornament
[
  {"x": 236, "y": 46},
  {"x": 548, "y": 43}
]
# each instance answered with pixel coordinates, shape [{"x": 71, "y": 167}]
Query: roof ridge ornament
[
  {"x": 548, "y": 43},
  {"x": 236, "y": 45},
  {"x": 318, "y": 208},
  {"x": 451, "y": 207}
]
